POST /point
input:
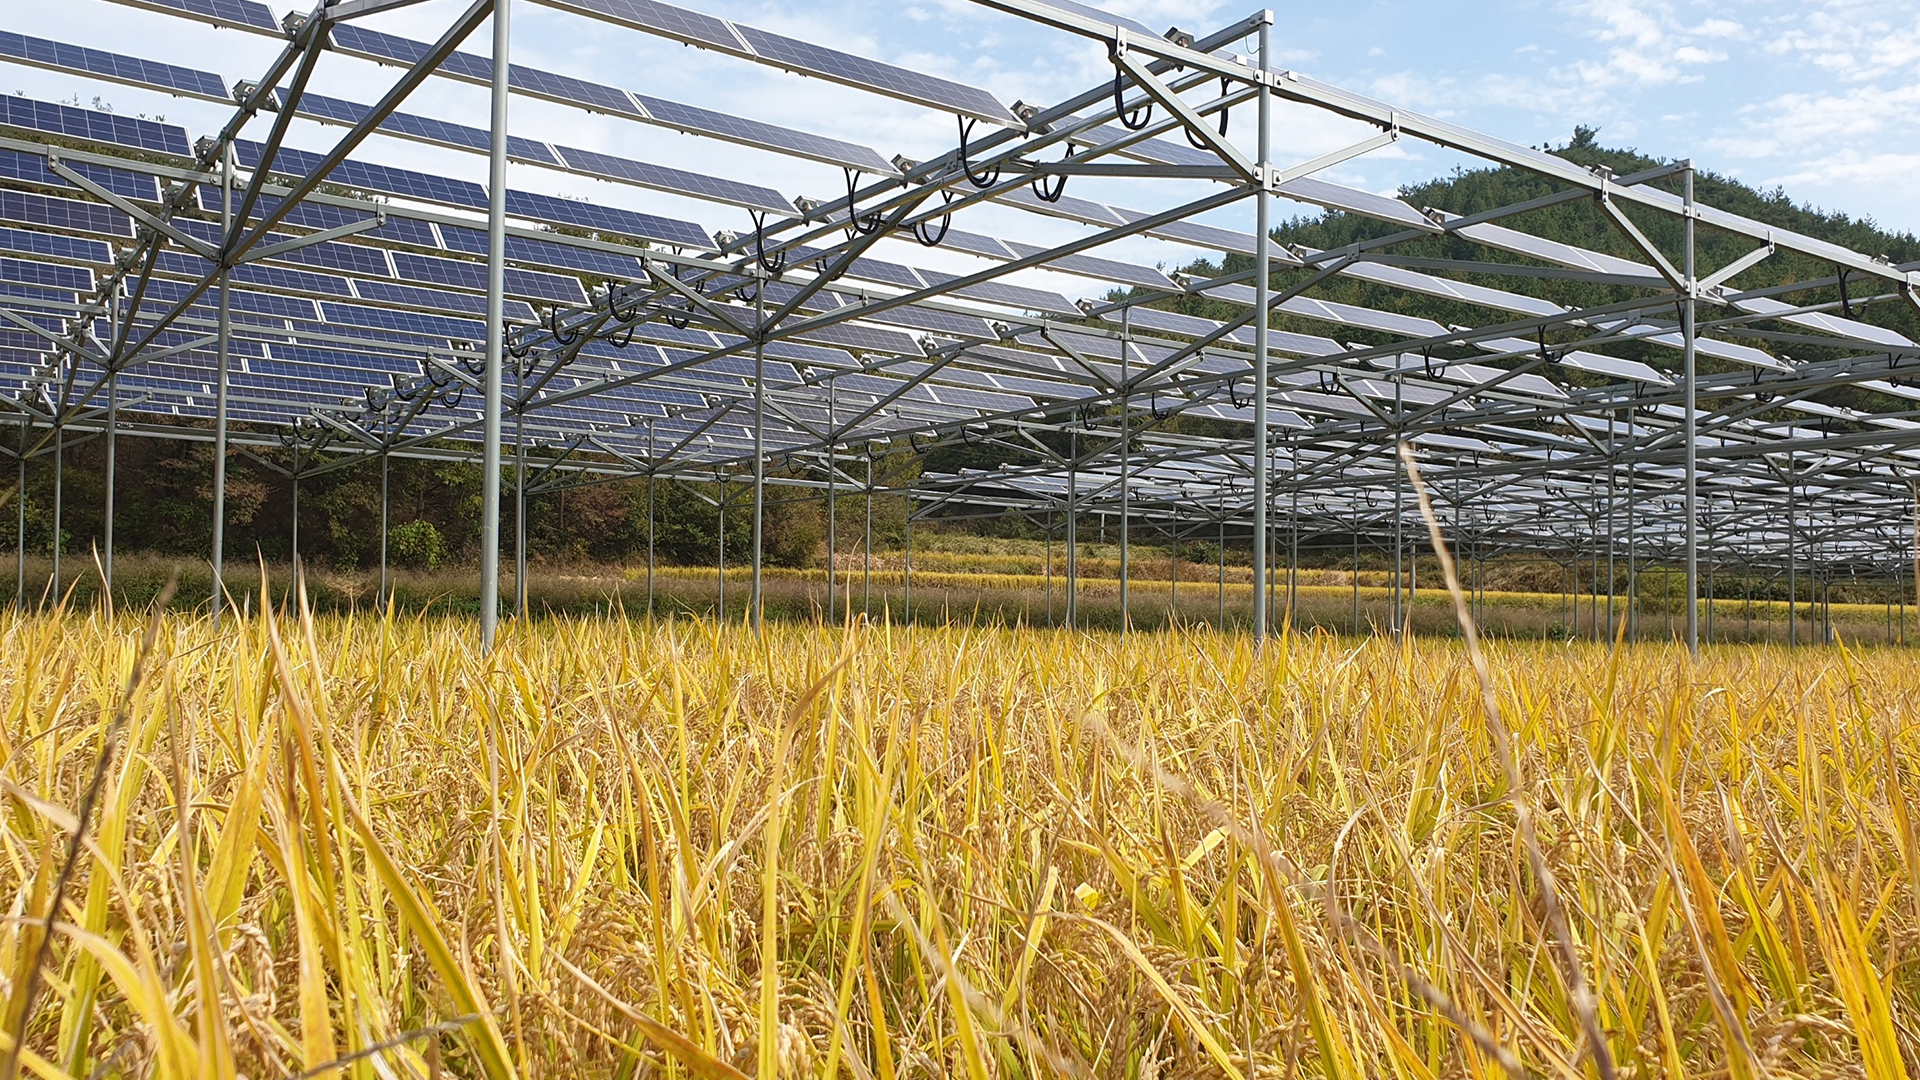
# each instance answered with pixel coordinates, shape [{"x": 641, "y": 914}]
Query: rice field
[{"x": 351, "y": 845}]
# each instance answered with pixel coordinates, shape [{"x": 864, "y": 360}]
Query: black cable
[
  {"x": 984, "y": 180},
  {"x": 920, "y": 232},
  {"x": 1040, "y": 183},
  {"x": 553, "y": 327},
  {"x": 1846, "y": 305},
  {"x": 1128, "y": 119},
  {"x": 857, "y": 225},
  {"x": 1199, "y": 144},
  {"x": 773, "y": 265}
]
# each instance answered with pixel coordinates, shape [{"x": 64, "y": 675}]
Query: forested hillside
[{"x": 165, "y": 495}]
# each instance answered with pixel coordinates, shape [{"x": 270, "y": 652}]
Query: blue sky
[{"x": 1821, "y": 97}]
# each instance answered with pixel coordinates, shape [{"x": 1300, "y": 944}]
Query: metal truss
[{"x": 782, "y": 356}]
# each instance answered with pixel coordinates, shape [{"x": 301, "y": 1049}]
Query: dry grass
[{"x": 621, "y": 849}]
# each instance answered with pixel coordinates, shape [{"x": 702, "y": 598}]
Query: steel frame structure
[{"x": 783, "y": 356}]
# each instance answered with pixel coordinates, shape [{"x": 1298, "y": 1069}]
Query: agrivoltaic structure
[{"x": 160, "y": 285}]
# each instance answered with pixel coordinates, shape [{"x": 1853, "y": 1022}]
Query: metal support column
[
  {"x": 106, "y": 531},
  {"x": 519, "y": 499},
  {"x": 653, "y": 478},
  {"x": 866, "y": 545},
  {"x": 1262, "y": 289},
  {"x": 1691, "y": 422},
  {"x": 759, "y": 449},
  {"x": 1126, "y": 322},
  {"x": 1073, "y": 497},
  {"x": 59, "y": 502},
  {"x": 20, "y": 540},
  {"x": 222, "y": 364},
  {"x": 496, "y": 332},
  {"x": 384, "y": 461},
  {"x": 833, "y": 466}
]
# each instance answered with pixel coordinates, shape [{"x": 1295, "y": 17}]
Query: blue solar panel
[
  {"x": 331, "y": 254},
  {"x": 1094, "y": 267},
  {"x": 599, "y": 97},
  {"x": 408, "y": 322},
  {"x": 67, "y": 215},
  {"x": 606, "y": 219},
  {"x": 719, "y": 125},
  {"x": 692, "y": 27},
  {"x": 34, "y": 292},
  {"x": 46, "y": 275},
  {"x": 418, "y": 128},
  {"x": 94, "y": 125},
  {"x": 60, "y": 56},
  {"x": 545, "y": 253},
  {"x": 160, "y": 290},
  {"x": 899, "y": 82},
  {"x": 317, "y": 216},
  {"x": 865, "y": 338},
  {"x": 278, "y": 278},
  {"x": 1002, "y": 293},
  {"x": 32, "y": 169},
  {"x": 363, "y": 176},
  {"x": 696, "y": 28},
  {"x": 412, "y": 296},
  {"x": 52, "y": 246},
  {"x": 675, "y": 181},
  {"x": 235, "y": 14},
  {"x": 454, "y": 273}
]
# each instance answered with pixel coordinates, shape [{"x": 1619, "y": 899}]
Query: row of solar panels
[{"x": 693, "y": 28}]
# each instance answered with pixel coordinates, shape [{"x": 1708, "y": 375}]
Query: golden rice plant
[{"x": 354, "y": 846}]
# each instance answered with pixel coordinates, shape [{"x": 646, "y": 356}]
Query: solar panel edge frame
[
  {"x": 211, "y": 20},
  {"x": 224, "y": 99},
  {"x": 642, "y": 115},
  {"x": 745, "y": 51}
]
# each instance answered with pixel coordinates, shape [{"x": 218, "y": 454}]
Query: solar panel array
[{"x": 359, "y": 324}]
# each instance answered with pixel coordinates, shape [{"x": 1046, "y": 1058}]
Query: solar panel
[
  {"x": 32, "y": 169},
  {"x": 692, "y": 27},
  {"x": 1352, "y": 200},
  {"x": 458, "y": 274},
  {"x": 1829, "y": 323},
  {"x": 364, "y": 176},
  {"x": 719, "y": 125},
  {"x": 46, "y": 275},
  {"x": 67, "y": 215},
  {"x": 1105, "y": 17},
  {"x": 674, "y": 181},
  {"x": 356, "y": 40},
  {"x": 1552, "y": 251},
  {"x": 55, "y": 246},
  {"x": 858, "y": 71},
  {"x": 545, "y": 253},
  {"x": 806, "y": 58},
  {"x": 1000, "y": 292},
  {"x": 606, "y": 219},
  {"x": 422, "y": 323},
  {"x": 234, "y": 14},
  {"x": 94, "y": 125},
  {"x": 59, "y": 56},
  {"x": 599, "y": 97},
  {"x": 163, "y": 291},
  {"x": 975, "y": 244},
  {"x": 1498, "y": 299},
  {"x": 424, "y": 129},
  {"x": 1095, "y": 267}
]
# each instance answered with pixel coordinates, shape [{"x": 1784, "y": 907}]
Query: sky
[{"x": 1819, "y": 96}]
